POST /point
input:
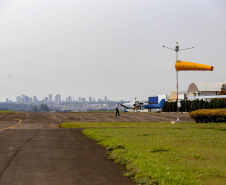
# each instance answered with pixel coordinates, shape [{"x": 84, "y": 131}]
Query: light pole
[{"x": 177, "y": 50}]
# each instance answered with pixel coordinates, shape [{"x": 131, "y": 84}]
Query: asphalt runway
[
  {"x": 55, "y": 157},
  {"x": 37, "y": 152}
]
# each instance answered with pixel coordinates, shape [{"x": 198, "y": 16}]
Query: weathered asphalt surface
[
  {"x": 55, "y": 157},
  {"x": 37, "y": 152}
]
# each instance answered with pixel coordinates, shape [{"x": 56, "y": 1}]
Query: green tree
[
  {"x": 200, "y": 104},
  {"x": 35, "y": 109},
  {"x": 223, "y": 90},
  {"x": 165, "y": 107},
  {"x": 183, "y": 105},
  {"x": 205, "y": 106},
  {"x": 211, "y": 104},
  {"x": 174, "y": 106},
  {"x": 43, "y": 108}
]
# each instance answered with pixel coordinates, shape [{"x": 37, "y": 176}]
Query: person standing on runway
[
  {"x": 117, "y": 109},
  {"x": 179, "y": 107}
]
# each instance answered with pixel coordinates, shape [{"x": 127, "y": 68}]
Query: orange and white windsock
[{"x": 189, "y": 66}]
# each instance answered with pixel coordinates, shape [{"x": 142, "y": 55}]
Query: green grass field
[
  {"x": 162, "y": 153},
  {"x": 7, "y": 112}
]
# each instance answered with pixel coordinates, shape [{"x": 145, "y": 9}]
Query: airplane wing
[{"x": 125, "y": 106}]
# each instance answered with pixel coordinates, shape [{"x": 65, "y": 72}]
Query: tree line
[
  {"x": 188, "y": 105},
  {"x": 41, "y": 108}
]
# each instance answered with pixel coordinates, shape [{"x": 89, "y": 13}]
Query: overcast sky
[{"x": 108, "y": 47}]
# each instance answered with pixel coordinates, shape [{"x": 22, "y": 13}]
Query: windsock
[{"x": 189, "y": 66}]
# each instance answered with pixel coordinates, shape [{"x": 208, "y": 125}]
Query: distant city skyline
[{"x": 51, "y": 98}]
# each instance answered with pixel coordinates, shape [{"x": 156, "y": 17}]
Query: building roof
[
  {"x": 173, "y": 95},
  {"x": 200, "y": 87}
]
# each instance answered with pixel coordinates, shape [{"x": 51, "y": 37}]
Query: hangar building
[
  {"x": 197, "y": 89},
  {"x": 204, "y": 89}
]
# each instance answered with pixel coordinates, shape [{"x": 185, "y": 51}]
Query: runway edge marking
[{"x": 12, "y": 126}]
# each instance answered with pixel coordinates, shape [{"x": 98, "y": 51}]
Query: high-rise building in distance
[
  {"x": 50, "y": 97},
  {"x": 69, "y": 99},
  {"x": 35, "y": 99},
  {"x": 57, "y": 99}
]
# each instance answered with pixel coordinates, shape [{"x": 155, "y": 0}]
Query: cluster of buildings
[
  {"x": 56, "y": 103},
  {"x": 23, "y": 99},
  {"x": 194, "y": 91}
]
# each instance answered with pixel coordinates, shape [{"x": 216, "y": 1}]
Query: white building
[
  {"x": 197, "y": 89},
  {"x": 57, "y": 99},
  {"x": 204, "y": 89},
  {"x": 163, "y": 96}
]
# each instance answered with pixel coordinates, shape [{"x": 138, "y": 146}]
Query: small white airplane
[
  {"x": 136, "y": 105},
  {"x": 132, "y": 105}
]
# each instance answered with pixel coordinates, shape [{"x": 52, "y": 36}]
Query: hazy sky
[{"x": 107, "y": 47}]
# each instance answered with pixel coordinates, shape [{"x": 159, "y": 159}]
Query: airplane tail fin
[{"x": 161, "y": 103}]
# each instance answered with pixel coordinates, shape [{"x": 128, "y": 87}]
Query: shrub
[
  {"x": 188, "y": 105},
  {"x": 209, "y": 115}
]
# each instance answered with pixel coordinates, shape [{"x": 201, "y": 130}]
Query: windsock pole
[{"x": 176, "y": 50}]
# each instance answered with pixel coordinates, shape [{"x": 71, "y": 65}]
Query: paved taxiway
[
  {"x": 54, "y": 157},
  {"x": 37, "y": 152}
]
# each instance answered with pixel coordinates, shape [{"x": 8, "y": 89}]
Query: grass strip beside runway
[
  {"x": 116, "y": 124},
  {"x": 166, "y": 154},
  {"x": 7, "y": 112}
]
